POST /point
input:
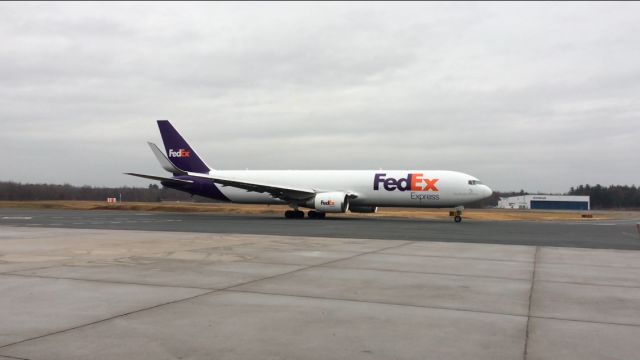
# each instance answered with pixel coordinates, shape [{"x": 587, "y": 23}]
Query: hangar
[{"x": 546, "y": 202}]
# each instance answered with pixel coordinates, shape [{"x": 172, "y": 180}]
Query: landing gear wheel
[
  {"x": 294, "y": 214},
  {"x": 457, "y": 213},
  {"x": 315, "y": 215}
]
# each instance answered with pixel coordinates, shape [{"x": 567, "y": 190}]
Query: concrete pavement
[{"x": 103, "y": 294}]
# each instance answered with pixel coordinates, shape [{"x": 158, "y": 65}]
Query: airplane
[{"x": 321, "y": 191}]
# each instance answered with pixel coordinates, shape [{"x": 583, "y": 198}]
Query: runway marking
[
  {"x": 12, "y": 357},
  {"x": 590, "y": 284},
  {"x": 593, "y": 265},
  {"x": 426, "y": 272},
  {"x": 320, "y": 297},
  {"x": 17, "y": 218},
  {"x": 460, "y": 257},
  {"x": 531, "y": 289},
  {"x": 594, "y": 224},
  {"x": 585, "y": 321},
  {"x": 106, "y": 281}
]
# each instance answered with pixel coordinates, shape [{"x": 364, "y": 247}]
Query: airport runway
[{"x": 620, "y": 234}]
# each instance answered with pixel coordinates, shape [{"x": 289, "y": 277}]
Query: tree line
[
  {"x": 610, "y": 197},
  {"x": 602, "y": 197},
  {"x": 14, "y": 191}
]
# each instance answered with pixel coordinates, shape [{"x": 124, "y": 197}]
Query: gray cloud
[{"x": 533, "y": 96}]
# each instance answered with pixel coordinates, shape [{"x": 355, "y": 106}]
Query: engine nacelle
[
  {"x": 363, "y": 209},
  {"x": 331, "y": 202}
]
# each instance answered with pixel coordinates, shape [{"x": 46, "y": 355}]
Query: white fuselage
[{"x": 399, "y": 188}]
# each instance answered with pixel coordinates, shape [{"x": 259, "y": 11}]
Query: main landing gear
[
  {"x": 297, "y": 214},
  {"x": 316, "y": 215},
  {"x": 294, "y": 214}
]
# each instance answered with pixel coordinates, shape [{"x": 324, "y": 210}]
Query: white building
[{"x": 546, "y": 202}]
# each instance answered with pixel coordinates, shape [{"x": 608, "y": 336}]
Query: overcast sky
[{"x": 540, "y": 96}]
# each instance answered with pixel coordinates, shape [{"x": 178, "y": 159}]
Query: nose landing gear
[{"x": 457, "y": 213}]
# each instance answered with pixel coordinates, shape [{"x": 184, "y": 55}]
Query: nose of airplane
[{"x": 487, "y": 191}]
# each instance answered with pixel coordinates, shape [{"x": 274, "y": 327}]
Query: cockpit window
[{"x": 475, "y": 182}]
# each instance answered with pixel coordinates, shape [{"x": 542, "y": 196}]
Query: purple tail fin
[{"x": 178, "y": 150}]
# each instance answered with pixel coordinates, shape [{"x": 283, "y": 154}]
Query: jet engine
[
  {"x": 363, "y": 209},
  {"x": 331, "y": 202}
]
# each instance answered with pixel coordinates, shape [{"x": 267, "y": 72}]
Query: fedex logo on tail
[
  {"x": 413, "y": 182},
  {"x": 179, "y": 153}
]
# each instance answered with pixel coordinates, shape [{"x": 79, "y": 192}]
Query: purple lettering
[
  {"x": 377, "y": 180},
  {"x": 404, "y": 184},
  {"x": 390, "y": 184}
]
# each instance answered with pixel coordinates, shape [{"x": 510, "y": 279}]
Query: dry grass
[
  {"x": 510, "y": 215},
  {"x": 477, "y": 214},
  {"x": 146, "y": 206}
]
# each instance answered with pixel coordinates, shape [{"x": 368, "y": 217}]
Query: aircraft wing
[
  {"x": 160, "y": 178},
  {"x": 281, "y": 192}
]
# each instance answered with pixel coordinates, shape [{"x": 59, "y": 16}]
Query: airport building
[{"x": 546, "y": 202}]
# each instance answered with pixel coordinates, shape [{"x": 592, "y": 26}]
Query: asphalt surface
[{"x": 619, "y": 234}]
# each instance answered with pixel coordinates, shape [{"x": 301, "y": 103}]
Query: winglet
[{"x": 166, "y": 163}]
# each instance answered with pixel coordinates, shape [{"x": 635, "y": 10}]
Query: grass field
[{"x": 477, "y": 214}]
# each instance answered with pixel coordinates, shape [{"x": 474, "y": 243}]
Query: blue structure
[{"x": 559, "y": 205}]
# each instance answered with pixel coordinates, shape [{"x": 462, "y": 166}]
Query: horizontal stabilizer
[{"x": 163, "y": 179}]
